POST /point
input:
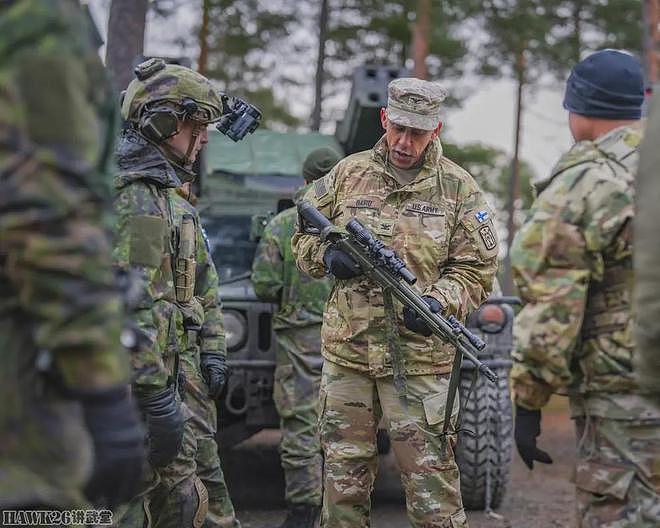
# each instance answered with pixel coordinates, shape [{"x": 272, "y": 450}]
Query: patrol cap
[
  {"x": 319, "y": 162},
  {"x": 608, "y": 84},
  {"x": 414, "y": 103}
]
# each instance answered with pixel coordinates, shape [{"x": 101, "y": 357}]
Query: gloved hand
[
  {"x": 528, "y": 427},
  {"x": 416, "y": 324},
  {"x": 340, "y": 264},
  {"x": 118, "y": 435},
  {"x": 216, "y": 373},
  {"x": 164, "y": 425}
]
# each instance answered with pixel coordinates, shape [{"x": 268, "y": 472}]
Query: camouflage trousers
[
  {"x": 297, "y": 381},
  {"x": 351, "y": 406},
  {"x": 618, "y": 473},
  {"x": 174, "y": 496},
  {"x": 204, "y": 421}
]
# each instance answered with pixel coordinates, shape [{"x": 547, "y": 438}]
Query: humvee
[{"x": 245, "y": 183}]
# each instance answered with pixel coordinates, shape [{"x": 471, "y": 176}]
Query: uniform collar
[
  {"x": 616, "y": 145},
  {"x": 139, "y": 159}
]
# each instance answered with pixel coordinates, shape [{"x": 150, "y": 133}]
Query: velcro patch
[
  {"x": 489, "y": 240},
  {"x": 424, "y": 208},
  {"x": 321, "y": 188},
  {"x": 146, "y": 243}
]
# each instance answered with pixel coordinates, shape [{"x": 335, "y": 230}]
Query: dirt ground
[{"x": 542, "y": 498}]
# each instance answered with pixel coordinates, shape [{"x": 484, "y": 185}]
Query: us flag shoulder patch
[{"x": 320, "y": 188}]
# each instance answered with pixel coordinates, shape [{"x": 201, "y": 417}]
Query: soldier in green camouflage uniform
[
  {"x": 168, "y": 109},
  {"x": 65, "y": 414},
  {"x": 572, "y": 262},
  {"x": 435, "y": 216},
  {"x": 203, "y": 343},
  {"x": 297, "y": 325}
]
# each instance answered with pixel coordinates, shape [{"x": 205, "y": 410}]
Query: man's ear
[
  {"x": 436, "y": 132},
  {"x": 383, "y": 118}
]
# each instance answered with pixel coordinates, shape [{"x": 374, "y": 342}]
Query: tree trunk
[
  {"x": 125, "y": 39},
  {"x": 421, "y": 39},
  {"x": 202, "y": 61},
  {"x": 651, "y": 43},
  {"x": 514, "y": 182},
  {"x": 320, "y": 67}
]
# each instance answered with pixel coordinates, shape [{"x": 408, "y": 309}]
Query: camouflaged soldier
[
  {"x": 572, "y": 263},
  {"x": 167, "y": 109},
  {"x": 203, "y": 369},
  {"x": 435, "y": 216},
  {"x": 68, "y": 432},
  {"x": 297, "y": 325}
]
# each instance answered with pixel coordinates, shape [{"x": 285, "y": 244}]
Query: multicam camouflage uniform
[
  {"x": 206, "y": 335},
  {"x": 572, "y": 263},
  {"x": 59, "y": 310},
  {"x": 441, "y": 226},
  {"x": 297, "y": 325}
]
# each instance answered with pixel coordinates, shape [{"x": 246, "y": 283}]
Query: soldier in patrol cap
[
  {"x": 433, "y": 214},
  {"x": 167, "y": 109},
  {"x": 572, "y": 263},
  {"x": 297, "y": 327}
]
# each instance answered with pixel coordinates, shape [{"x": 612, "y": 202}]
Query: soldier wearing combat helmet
[
  {"x": 70, "y": 435},
  {"x": 572, "y": 263},
  {"x": 168, "y": 109},
  {"x": 433, "y": 214}
]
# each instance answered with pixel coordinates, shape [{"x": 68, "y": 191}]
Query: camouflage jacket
[
  {"x": 439, "y": 224},
  {"x": 275, "y": 277},
  {"x": 59, "y": 307},
  {"x": 572, "y": 264},
  {"x": 206, "y": 290},
  {"x": 147, "y": 243},
  {"x": 57, "y": 292}
]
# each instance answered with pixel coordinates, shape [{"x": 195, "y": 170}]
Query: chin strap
[{"x": 184, "y": 162}]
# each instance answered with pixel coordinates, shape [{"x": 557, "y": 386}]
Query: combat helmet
[{"x": 162, "y": 97}]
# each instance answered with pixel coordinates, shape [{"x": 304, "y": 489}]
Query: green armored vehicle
[{"x": 245, "y": 184}]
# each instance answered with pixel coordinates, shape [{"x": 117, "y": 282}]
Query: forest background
[{"x": 503, "y": 63}]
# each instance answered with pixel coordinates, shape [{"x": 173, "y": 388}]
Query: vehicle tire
[{"x": 485, "y": 458}]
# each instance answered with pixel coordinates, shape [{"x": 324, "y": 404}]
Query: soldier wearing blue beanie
[
  {"x": 572, "y": 264},
  {"x": 608, "y": 84}
]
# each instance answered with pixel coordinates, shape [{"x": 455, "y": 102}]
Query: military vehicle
[{"x": 244, "y": 185}]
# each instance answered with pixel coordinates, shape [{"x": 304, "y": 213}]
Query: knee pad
[{"x": 202, "y": 496}]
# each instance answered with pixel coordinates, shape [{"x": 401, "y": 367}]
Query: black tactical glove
[
  {"x": 340, "y": 264},
  {"x": 415, "y": 323},
  {"x": 118, "y": 436},
  {"x": 216, "y": 372},
  {"x": 164, "y": 425},
  {"x": 528, "y": 427}
]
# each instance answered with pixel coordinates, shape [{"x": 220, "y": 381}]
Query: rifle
[{"x": 382, "y": 266}]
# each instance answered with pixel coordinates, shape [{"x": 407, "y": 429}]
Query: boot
[{"x": 300, "y": 516}]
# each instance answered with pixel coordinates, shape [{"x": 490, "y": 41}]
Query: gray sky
[{"x": 486, "y": 116}]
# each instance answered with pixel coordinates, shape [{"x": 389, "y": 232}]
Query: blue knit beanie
[{"x": 608, "y": 84}]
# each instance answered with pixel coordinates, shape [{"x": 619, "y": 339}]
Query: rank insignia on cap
[{"x": 482, "y": 216}]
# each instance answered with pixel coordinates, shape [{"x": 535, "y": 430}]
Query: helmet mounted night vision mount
[{"x": 240, "y": 118}]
